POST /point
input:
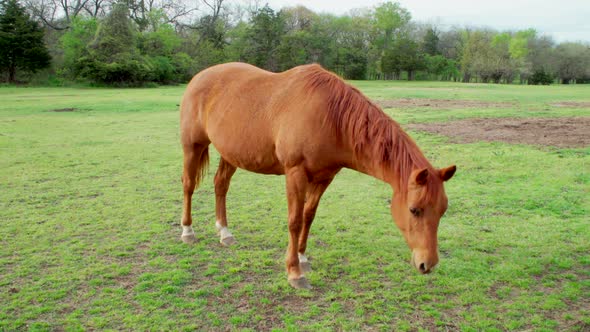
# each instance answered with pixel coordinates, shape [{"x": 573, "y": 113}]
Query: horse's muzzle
[{"x": 422, "y": 263}]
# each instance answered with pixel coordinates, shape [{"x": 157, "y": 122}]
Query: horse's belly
[
  {"x": 252, "y": 158},
  {"x": 244, "y": 137}
]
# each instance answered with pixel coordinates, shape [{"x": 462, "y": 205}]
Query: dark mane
[{"x": 371, "y": 132}]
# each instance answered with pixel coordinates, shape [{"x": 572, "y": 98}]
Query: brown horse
[{"x": 307, "y": 124}]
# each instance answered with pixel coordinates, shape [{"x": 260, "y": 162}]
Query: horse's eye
[{"x": 416, "y": 211}]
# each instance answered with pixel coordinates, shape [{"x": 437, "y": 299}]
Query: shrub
[
  {"x": 161, "y": 69},
  {"x": 124, "y": 69},
  {"x": 540, "y": 77},
  {"x": 182, "y": 63}
]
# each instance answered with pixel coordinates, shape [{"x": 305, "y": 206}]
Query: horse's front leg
[
  {"x": 312, "y": 199},
  {"x": 296, "y": 189}
]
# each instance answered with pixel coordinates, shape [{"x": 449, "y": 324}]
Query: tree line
[{"x": 136, "y": 42}]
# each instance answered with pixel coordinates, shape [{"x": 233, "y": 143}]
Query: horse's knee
[
  {"x": 188, "y": 185},
  {"x": 295, "y": 226}
]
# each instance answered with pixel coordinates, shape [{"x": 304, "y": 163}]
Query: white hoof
[
  {"x": 225, "y": 236},
  {"x": 188, "y": 235},
  {"x": 228, "y": 241},
  {"x": 300, "y": 283},
  {"x": 189, "y": 239}
]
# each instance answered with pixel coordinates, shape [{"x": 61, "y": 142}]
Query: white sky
[{"x": 564, "y": 20}]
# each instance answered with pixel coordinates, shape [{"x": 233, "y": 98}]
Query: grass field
[{"x": 90, "y": 206}]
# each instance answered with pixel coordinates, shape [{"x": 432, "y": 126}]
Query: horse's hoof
[
  {"x": 305, "y": 267},
  {"x": 189, "y": 239},
  {"x": 300, "y": 283},
  {"x": 228, "y": 241}
]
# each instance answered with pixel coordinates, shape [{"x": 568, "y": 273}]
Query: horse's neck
[
  {"x": 403, "y": 150},
  {"x": 372, "y": 167}
]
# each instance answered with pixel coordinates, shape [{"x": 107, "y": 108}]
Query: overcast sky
[{"x": 564, "y": 20}]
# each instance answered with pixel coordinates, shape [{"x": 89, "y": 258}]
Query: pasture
[{"x": 91, "y": 198}]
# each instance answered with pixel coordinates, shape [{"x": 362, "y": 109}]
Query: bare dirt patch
[
  {"x": 69, "y": 109},
  {"x": 564, "y": 132},
  {"x": 572, "y": 104},
  {"x": 440, "y": 103}
]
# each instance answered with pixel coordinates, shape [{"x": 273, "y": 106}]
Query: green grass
[{"x": 90, "y": 205}]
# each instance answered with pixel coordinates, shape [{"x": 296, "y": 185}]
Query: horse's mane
[{"x": 371, "y": 132}]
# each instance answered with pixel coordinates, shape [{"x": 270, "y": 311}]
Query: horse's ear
[
  {"x": 419, "y": 176},
  {"x": 447, "y": 173}
]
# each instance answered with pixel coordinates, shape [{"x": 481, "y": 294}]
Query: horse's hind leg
[
  {"x": 222, "y": 179},
  {"x": 196, "y": 159}
]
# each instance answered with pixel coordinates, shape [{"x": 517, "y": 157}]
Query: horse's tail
[{"x": 202, "y": 166}]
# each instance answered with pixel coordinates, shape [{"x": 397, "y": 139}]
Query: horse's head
[{"x": 418, "y": 212}]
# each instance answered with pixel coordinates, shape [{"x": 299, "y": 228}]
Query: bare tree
[
  {"x": 210, "y": 25},
  {"x": 97, "y": 8},
  {"x": 298, "y": 18},
  {"x": 215, "y": 6},
  {"x": 242, "y": 11},
  {"x": 174, "y": 10},
  {"x": 56, "y": 14}
]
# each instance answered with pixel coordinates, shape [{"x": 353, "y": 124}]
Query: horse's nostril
[{"x": 422, "y": 268}]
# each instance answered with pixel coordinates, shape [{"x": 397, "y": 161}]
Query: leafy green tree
[
  {"x": 501, "y": 64},
  {"x": 212, "y": 30},
  {"x": 140, "y": 41},
  {"x": 116, "y": 34},
  {"x": 204, "y": 53},
  {"x": 160, "y": 39},
  {"x": 113, "y": 56},
  {"x": 519, "y": 51},
  {"x": 389, "y": 17},
  {"x": 391, "y": 64},
  {"x": 264, "y": 37},
  {"x": 519, "y": 42},
  {"x": 294, "y": 50},
  {"x": 237, "y": 42},
  {"x": 441, "y": 67},
  {"x": 348, "y": 36},
  {"x": 182, "y": 64},
  {"x": 305, "y": 40},
  {"x": 430, "y": 42},
  {"x": 406, "y": 56},
  {"x": 74, "y": 42},
  {"x": 158, "y": 45},
  {"x": 21, "y": 41},
  {"x": 388, "y": 20},
  {"x": 353, "y": 63}
]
